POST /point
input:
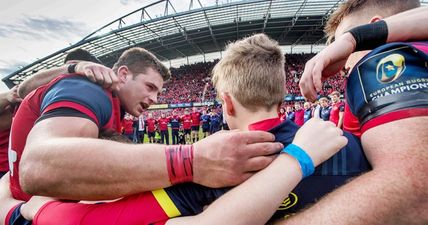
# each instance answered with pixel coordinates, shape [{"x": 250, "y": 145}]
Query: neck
[{"x": 248, "y": 117}]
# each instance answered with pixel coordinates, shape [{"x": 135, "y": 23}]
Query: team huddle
[
  {"x": 184, "y": 128},
  {"x": 275, "y": 166}
]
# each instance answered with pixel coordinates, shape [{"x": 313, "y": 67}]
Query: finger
[
  {"x": 90, "y": 75},
  {"x": 107, "y": 79},
  {"x": 98, "y": 76},
  {"x": 340, "y": 131},
  {"x": 261, "y": 149},
  {"x": 250, "y": 137},
  {"x": 258, "y": 163},
  {"x": 343, "y": 141},
  {"x": 114, "y": 80},
  {"x": 306, "y": 83},
  {"x": 316, "y": 74},
  {"x": 329, "y": 123}
]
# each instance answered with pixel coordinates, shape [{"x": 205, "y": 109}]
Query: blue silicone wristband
[{"x": 305, "y": 161}]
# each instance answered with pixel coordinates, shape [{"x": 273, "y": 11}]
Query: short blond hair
[
  {"x": 138, "y": 60},
  {"x": 252, "y": 71},
  {"x": 384, "y": 8}
]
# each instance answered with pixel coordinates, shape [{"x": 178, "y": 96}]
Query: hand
[
  {"x": 325, "y": 64},
  {"x": 99, "y": 74},
  {"x": 229, "y": 158},
  {"x": 320, "y": 139},
  {"x": 12, "y": 96}
]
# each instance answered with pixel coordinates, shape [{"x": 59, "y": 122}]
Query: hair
[
  {"x": 384, "y": 8},
  {"x": 336, "y": 93},
  {"x": 81, "y": 54},
  {"x": 323, "y": 99},
  {"x": 252, "y": 71},
  {"x": 138, "y": 60}
]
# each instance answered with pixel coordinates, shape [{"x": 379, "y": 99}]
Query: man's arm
[
  {"x": 404, "y": 26},
  {"x": 97, "y": 73},
  {"x": 254, "y": 201},
  {"x": 40, "y": 78},
  {"x": 340, "y": 122},
  {"x": 8, "y": 98},
  {"x": 341, "y": 116},
  {"x": 63, "y": 159},
  {"x": 394, "y": 192}
]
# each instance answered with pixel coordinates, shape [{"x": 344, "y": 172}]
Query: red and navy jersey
[
  {"x": 148, "y": 208},
  {"x": 163, "y": 124},
  {"x": 388, "y": 84},
  {"x": 336, "y": 108},
  {"x": 196, "y": 118},
  {"x": 349, "y": 162},
  {"x": 66, "y": 95},
  {"x": 187, "y": 120},
  {"x": 151, "y": 125}
]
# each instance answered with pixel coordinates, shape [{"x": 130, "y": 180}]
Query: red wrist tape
[{"x": 179, "y": 161}]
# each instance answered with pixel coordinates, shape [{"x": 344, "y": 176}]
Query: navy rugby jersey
[{"x": 350, "y": 162}]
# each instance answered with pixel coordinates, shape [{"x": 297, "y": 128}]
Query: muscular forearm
[
  {"x": 92, "y": 169},
  {"x": 254, "y": 201},
  {"x": 38, "y": 79},
  {"x": 407, "y": 25}
]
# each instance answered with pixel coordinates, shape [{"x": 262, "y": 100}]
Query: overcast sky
[{"x": 32, "y": 29}]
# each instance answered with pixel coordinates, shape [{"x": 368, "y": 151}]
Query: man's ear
[
  {"x": 122, "y": 73},
  {"x": 227, "y": 100},
  {"x": 376, "y": 18}
]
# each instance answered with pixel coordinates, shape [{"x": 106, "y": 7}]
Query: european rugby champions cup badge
[{"x": 390, "y": 68}]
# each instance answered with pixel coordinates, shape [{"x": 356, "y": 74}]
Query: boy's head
[
  {"x": 297, "y": 107},
  {"x": 250, "y": 77}
]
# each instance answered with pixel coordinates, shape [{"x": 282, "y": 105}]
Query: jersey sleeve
[
  {"x": 342, "y": 108},
  {"x": 84, "y": 98},
  {"x": 390, "y": 83}
]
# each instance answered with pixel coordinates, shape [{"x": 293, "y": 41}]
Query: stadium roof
[{"x": 188, "y": 28}]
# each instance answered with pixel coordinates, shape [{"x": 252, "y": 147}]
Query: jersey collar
[{"x": 265, "y": 125}]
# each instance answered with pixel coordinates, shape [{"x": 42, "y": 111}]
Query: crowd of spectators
[{"x": 191, "y": 83}]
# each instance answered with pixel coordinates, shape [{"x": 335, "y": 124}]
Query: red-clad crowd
[{"x": 191, "y": 83}]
